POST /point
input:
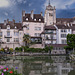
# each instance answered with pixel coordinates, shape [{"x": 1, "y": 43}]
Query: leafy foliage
[
  {"x": 26, "y": 39},
  {"x": 71, "y": 40}
]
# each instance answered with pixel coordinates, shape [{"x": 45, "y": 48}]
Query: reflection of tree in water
[
  {"x": 29, "y": 64},
  {"x": 71, "y": 72},
  {"x": 26, "y": 67}
]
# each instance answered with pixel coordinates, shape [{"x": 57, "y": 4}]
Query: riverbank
[
  {"x": 33, "y": 54},
  {"x": 37, "y": 54}
]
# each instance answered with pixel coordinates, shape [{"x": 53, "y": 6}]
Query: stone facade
[{"x": 47, "y": 28}]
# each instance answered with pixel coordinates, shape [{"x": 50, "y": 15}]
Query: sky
[{"x": 12, "y": 9}]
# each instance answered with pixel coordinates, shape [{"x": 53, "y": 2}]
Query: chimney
[
  {"x": 41, "y": 13},
  {"x": 13, "y": 21},
  {"x": 19, "y": 21},
  {"x": 5, "y": 22},
  {"x": 23, "y": 13},
  {"x": 54, "y": 7},
  {"x": 32, "y": 15}
]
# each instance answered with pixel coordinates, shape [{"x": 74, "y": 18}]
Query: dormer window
[
  {"x": 15, "y": 27},
  {"x": 34, "y": 19},
  {"x": 39, "y": 19},
  {"x": 26, "y": 19},
  {"x": 8, "y": 27}
]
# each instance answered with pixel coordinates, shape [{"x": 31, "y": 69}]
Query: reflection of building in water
[
  {"x": 50, "y": 69},
  {"x": 64, "y": 68},
  {"x": 40, "y": 67},
  {"x": 58, "y": 58}
]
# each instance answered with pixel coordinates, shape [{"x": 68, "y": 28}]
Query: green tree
[
  {"x": 48, "y": 48},
  {"x": 26, "y": 39},
  {"x": 71, "y": 41}
]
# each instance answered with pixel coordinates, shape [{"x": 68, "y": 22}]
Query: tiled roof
[
  {"x": 61, "y": 26},
  {"x": 50, "y": 27},
  {"x": 18, "y": 26},
  {"x": 35, "y": 16},
  {"x": 61, "y": 20}
]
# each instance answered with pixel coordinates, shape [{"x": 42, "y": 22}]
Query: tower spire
[{"x": 49, "y": 2}]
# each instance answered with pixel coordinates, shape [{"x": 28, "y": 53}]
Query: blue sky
[{"x": 12, "y": 9}]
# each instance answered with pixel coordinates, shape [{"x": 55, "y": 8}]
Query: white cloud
[
  {"x": 4, "y": 3},
  {"x": 30, "y": 4},
  {"x": 5, "y": 13},
  {"x": 60, "y": 4},
  {"x": 21, "y": 1},
  {"x": 24, "y": 1}
]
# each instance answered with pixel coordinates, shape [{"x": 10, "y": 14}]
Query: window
[
  {"x": 39, "y": 19},
  {"x": 69, "y": 30},
  {"x": 8, "y": 40},
  {"x": 0, "y": 34},
  {"x": 37, "y": 34},
  {"x": 0, "y": 39},
  {"x": 16, "y": 39},
  {"x": 15, "y": 27},
  {"x": 64, "y": 41},
  {"x": 8, "y": 27},
  {"x": 27, "y": 27},
  {"x": 65, "y": 71},
  {"x": 63, "y": 35},
  {"x": 8, "y": 33},
  {"x": 26, "y": 19},
  {"x": 63, "y": 30},
  {"x": 37, "y": 28},
  {"x": 50, "y": 14},
  {"x": 34, "y": 19},
  {"x": 16, "y": 33}
]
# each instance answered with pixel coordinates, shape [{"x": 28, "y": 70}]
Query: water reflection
[{"x": 42, "y": 65}]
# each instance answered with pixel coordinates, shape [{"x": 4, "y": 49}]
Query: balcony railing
[
  {"x": 50, "y": 32},
  {"x": 51, "y": 38},
  {"x": 8, "y": 36}
]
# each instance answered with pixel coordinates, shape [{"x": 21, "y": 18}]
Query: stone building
[
  {"x": 45, "y": 29},
  {"x": 11, "y": 34}
]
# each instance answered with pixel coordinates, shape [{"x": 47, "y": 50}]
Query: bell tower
[{"x": 50, "y": 15}]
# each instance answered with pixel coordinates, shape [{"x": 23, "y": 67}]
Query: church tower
[{"x": 50, "y": 15}]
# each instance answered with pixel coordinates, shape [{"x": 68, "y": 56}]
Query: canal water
[{"x": 40, "y": 65}]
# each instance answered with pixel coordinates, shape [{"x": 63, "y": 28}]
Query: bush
[
  {"x": 11, "y": 49},
  {"x": 17, "y": 49},
  {"x": 20, "y": 49},
  {"x": 2, "y": 49}
]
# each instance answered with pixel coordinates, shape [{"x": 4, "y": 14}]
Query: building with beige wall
[
  {"x": 33, "y": 25},
  {"x": 45, "y": 29},
  {"x": 50, "y": 15},
  {"x": 11, "y": 34}
]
